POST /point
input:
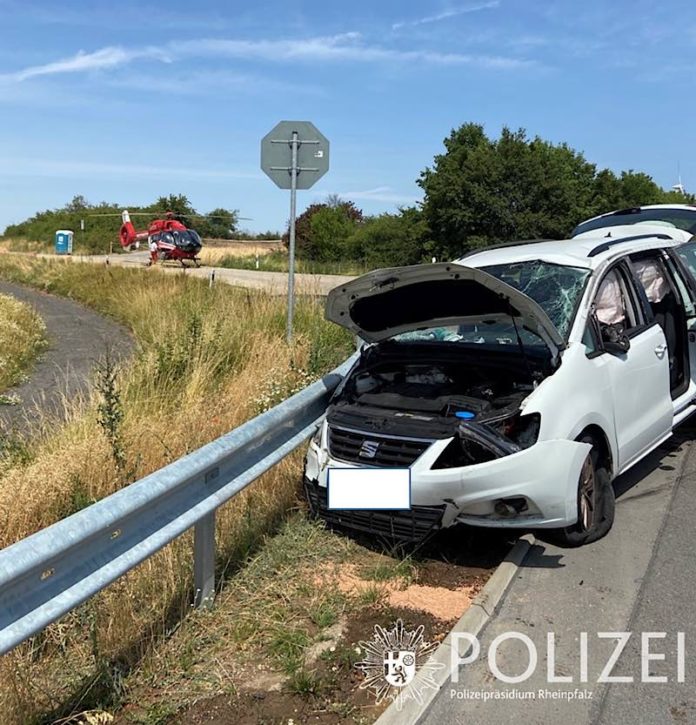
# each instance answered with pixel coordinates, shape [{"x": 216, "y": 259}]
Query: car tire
[{"x": 595, "y": 501}]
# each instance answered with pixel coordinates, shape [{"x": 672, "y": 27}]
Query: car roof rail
[
  {"x": 503, "y": 245},
  {"x": 624, "y": 212},
  {"x": 612, "y": 242}
]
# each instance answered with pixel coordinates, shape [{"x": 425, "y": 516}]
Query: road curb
[{"x": 472, "y": 621}]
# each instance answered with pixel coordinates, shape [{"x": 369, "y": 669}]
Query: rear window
[{"x": 684, "y": 219}]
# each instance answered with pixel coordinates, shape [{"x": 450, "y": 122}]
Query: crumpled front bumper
[{"x": 542, "y": 480}]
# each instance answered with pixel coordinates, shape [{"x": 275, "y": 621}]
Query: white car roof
[
  {"x": 687, "y": 207},
  {"x": 587, "y": 251}
]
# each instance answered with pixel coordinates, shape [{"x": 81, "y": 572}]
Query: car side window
[
  {"x": 687, "y": 253},
  {"x": 615, "y": 303},
  {"x": 661, "y": 278},
  {"x": 615, "y": 306},
  {"x": 682, "y": 287},
  {"x": 653, "y": 278}
]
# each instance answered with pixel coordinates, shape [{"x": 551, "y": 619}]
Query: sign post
[{"x": 294, "y": 155}]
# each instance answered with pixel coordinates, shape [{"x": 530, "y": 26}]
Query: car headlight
[
  {"x": 522, "y": 430},
  {"x": 482, "y": 442}
]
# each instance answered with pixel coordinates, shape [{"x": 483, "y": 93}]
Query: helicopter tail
[{"x": 128, "y": 236}]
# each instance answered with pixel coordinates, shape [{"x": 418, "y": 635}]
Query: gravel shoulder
[{"x": 77, "y": 339}]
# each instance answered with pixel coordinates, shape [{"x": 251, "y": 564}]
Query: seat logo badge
[{"x": 368, "y": 449}]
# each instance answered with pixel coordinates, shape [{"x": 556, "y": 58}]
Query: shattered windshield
[{"x": 556, "y": 288}]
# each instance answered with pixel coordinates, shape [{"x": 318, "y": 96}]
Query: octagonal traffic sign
[{"x": 312, "y": 152}]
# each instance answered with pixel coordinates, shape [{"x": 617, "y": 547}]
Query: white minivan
[{"x": 515, "y": 383}]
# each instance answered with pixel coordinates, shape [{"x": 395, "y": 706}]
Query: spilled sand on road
[{"x": 444, "y": 603}]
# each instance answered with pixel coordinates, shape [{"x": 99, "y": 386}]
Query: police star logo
[{"x": 396, "y": 664}]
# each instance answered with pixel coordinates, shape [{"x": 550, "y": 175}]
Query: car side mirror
[{"x": 614, "y": 339}]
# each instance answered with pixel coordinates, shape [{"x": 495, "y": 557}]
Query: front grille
[
  {"x": 404, "y": 526},
  {"x": 374, "y": 450}
]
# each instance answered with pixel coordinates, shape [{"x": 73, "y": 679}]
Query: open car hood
[{"x": 387, "y": 302}]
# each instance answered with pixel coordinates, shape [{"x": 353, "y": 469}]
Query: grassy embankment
[
  {"x": 22, "y": 338},
  {"x": 207, "y": 359}
]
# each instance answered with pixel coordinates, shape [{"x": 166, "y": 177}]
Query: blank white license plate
[{"x": 369, "y": 488}]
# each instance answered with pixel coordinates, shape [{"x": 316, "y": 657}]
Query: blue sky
[{"x": 127, "y": 101}]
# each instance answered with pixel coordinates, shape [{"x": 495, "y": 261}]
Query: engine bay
[{"x": 422, "y": 390}]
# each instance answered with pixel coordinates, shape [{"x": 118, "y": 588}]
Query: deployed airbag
[
  {"x": 652, "y": 279},
  {"x": 609, "y": 301}
]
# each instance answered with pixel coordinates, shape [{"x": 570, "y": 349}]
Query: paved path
[
  {"x": 77, "y": 339},
  {"x": 277, "y": 282},
  {"x": 640, "y": 578}
]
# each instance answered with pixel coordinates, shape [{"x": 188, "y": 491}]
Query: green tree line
[
  {"x": 479, "y": 191},
  {"x": 102, "y": 221}
]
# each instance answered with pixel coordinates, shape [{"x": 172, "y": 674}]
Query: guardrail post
[{"x": 204, "y": 561}]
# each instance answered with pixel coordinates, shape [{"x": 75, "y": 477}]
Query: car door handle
[{"x": 660, "y": 350}]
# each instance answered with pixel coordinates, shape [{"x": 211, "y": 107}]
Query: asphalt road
[
  {"x": 640, "y": 578},
  {"x": 275, "y": 282},
  {"x": 77, "y": 339}
]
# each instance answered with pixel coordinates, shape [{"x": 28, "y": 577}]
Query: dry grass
[
  {"x": 206, "y": 361},
  {"x": 21, "y": 245},
  {"x": 22, "y": 337},
  {"x": 213, "y": 252}
]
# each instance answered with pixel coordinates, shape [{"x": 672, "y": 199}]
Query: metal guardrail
[{"x": 58, "y": 568}]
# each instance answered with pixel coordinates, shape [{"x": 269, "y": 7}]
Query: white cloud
[
  {"x": 346, "y": 47},
  {"x": 446, "y": 14},
  {"x": 109, "y": 57},
  {"x": 343, "y": 47}
]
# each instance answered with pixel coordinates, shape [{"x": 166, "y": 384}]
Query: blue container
[
  {"x": 64, "y": 241},
  {"x": 465, "y": 414}
]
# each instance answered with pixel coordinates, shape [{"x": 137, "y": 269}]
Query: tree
[
  {"x": 219, "y": 224},
  {"x": 78, "y": 203},
  {"x": 677, "y": 197},
  {"x": 312, "y": 242},
  {"x": 178, "y": 204},
  {"x": 481, "y": 191},
  {"x": 637, "y": 189},
  {"x": 390, "y": 240},
  {"x": 607, "y": 194},
  {"x": 330, "y": 229}
]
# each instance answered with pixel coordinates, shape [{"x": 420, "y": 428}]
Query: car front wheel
[{"x": 595, "y": 502}]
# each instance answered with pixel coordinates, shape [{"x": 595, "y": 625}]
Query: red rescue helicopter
[{"x": 168, "y": 239}]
